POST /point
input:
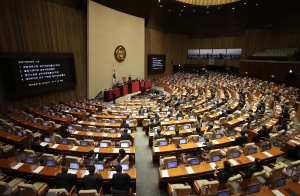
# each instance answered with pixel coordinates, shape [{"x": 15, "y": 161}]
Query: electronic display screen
[
  {"x": 193, "y": 54},
  {"x": 186, "y": 126},
  {"x": 235, "y": 154},
  {"x": 156, "y": 63},
  {"x": 84, "y": 143},
  {"x": 201, "y": 139},
  {"x": 99, "y": 167},
  {"x": 253, "y": 188},
  {"x": 280, "y": 182},
  {"x": 232, "y": 133},
  {"x": 163, "y": 143},
  {"x": 171, "y": 128},
  {"x": 216, "y": 158},
  {"x": 20, "y": 133},
  {"x": 30, "y": 160},
  {"x": 182, "y": 141},
  {"x": 125, "y": 166},
  {"x": 27, "y": 74},
  {"x": 223, "y": 193},
  {"x": 112, "y": 131},
  {"x": 70, "y": 127},
  {"x": 179, "y": 118},
  {"x": 103, "y": 145},
  {"x": 195, "y": 161},
  {"x": 267, "y": 146},
  {"x": 74, "y": 165},
  {"x": 47, "y": 139},
  {"x": 124, "y": 144},
  {"x": 218, "y": 136},
  {"x": 50, "y": 163},
  {"x": 172, "y": 164},
  {"x": 64, "y": 141},
  {"x": 252, "y": 150}
]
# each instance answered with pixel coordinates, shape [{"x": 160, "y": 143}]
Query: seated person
[
  {"x": 263, "y": 133},
  {"x": 197, "y": 131},
  {"x": 222, "y": 131},
  {"x": 257, "y": 167},
  {"x": 65, "y": 180},
  {"x": 121, "y": 182},
  {"x": 177, "y": 134},
  {"x": 208, "y": 145},
  {"x": 35, "y": 145},
  {"x": 124, "y": 125},
  {"x": 126, "y": 135},
  {"x": 223, "y": 175},
  {"x": 241, "y": 140},
  {"x": 92, "y": 180},
  {"x": 282, "y": 126},
  {"x": 90, "y": 159},
  {"x": 158, "y": 135},
  {"x": 210, "y": 129},
  {"x": 64, "y": 131}
]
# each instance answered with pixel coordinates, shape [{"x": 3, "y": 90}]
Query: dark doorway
[{"x": 290, "y": 79}]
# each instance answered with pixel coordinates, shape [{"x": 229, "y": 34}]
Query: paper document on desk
[
  {"x": 167, "y": 133},
  {"x": 92, "y": 123},
  {"x": 151, "y": 134},
  {"x": 189, "y": 170},
  {"x": 74, "y": 148},
  {"x": 230, "y": 123},
  {"x": 96, "y": 149},
  {"x": 43, "y": 144},
  {"x": 94, "y": 115},
  {"x": 188, "y": 130},
  {"x": 156, "y": 149},
  {"x": 90, "y": 133},
  {"x": 55, "y": 145},
  {"x": 37, "y": 170},
  {"x": 240, "y": 119},
  {"x": 116, "y": 150},
  {"x": 233, "y": 162},
  {"x": 111, "y": 173},
  {"x": 117, "y": 116},
  {"x": 119, "y": 135},
  {"x": 177, "y": 121},
  {"x": 17, "y": 166},
  {"x": 80, "y": 122},
  {"x": 86, "y": 173},
  {"x": 201, "y": 144},
  {"x": 250, "y": 157},
  {"x": 106, "y": 124},
  {"x": 76, "y": 132},
  {"x": 277, "y": 193},
  {"x": 215, "y": 141},
  {"x": 268, "y": 154},
  {"x": 164, "y": 173},
  {"x": 231, "y": 139},
  {"x": 105, "y": 134},
  {"x": 267, "y": 124},
  {"x": 294, "y": 142},
  {"x": 212, "y": 165},
  {"x": 72, "y": 171}
]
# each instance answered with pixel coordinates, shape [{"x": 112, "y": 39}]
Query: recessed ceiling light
[
  {"x": 219, "y": 7},
  {"x": 160, "y": 5},
  {"x": 207, "y": 6},
  {"x": 158, "y": 0},
  {"x": 256, "y": 4},
  {"x": 208, "y": 12},
  {"x": 245, "y": 3},
  {"x": 169, "y": 10},
  {"x": 194, "y": 10},
  {"x": 182, "y": 10},
  {"x": 184, "y": 6},
  {"x": 179, "y": 14},
  {"x": 233, "y": 8}
]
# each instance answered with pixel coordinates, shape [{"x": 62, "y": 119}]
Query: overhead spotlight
[
  {"x": 219, "y": 7},
  {"x": 179, "y": 65},
  {"x": 245, "y": 3},
  {"x": 160, "y": 6},
  {"x": 184, "y": 6},
  {"x": 257, "y": 4},
  {"x": 207, "y": 6},
  {"x": 169, "y": 10},
  {"x": 158, "y": 1},
  {"x": 233, "y": 8},
  {"x": 182, "y": 10},
  {"x": 179, "y": 14},
  {"x": 208, "y": 12},
  {"x": 194, "y": 10}
]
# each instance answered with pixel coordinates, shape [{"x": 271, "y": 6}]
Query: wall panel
[{"x": 44, "y": 26}]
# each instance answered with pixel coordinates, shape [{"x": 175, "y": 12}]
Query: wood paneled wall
[
  {"x": 263, "y": 70},
  {"x": 44, "y": 26}
]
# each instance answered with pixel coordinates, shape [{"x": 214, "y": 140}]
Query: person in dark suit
[
  {"x": 208, "y": 145},
  {"x": 177, "y": 134},
  {"x": 65, "y": 180},
  {"x": 92, "y": 181},
  {"x": 64, "y": 131},
  {"x": 242, "y": 139},
  {"x": 264, "y": 132},
  {"x": 257, "y": 167},
  {"x": 126, "y": 135},
  {"x": 124, "y": 125},
  {"x": 197, "y": 130},
  {"x": 35, "y": 145},
  {"x": 129, "y": 78},
  {"x": 114, "y": 97},
  {"x": 121, "y": 182},
  {"x": 159, "y": 135},
  {"x": 90, "y": 159},
  {"x": 224, "y": 174}
]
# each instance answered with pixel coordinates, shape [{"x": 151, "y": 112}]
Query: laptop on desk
[
  {"x": 51, "y": 163},
  {"x": 215, "y": 158},
  {"x": 103, "y": 145},
  {"x": 125, "y": 166},
  {"x": 74, "y": 165},
  {"x": 172, "y": 164},
  {"x": 30, "y": 160},
  {"x": 223, "y": 193},
  {"x": 47, "y": 139},
  {"x": 253, "y": 188},
  {"x": 99, "y": 167}
]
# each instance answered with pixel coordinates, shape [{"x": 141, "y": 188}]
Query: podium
[
  {"x": 108, "y": 94},
  {"x": 133, "y": 86},
  {"x": 143, "y": 90}
]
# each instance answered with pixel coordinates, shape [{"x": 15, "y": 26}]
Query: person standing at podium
[
  {"x": 114, "y": 97},
  {"x": 129, "y": 78}
]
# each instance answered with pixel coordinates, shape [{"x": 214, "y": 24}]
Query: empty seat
[{"x": 37, "y": 189}]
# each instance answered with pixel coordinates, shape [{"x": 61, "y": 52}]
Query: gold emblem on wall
[{"x": 120, "y": 53}]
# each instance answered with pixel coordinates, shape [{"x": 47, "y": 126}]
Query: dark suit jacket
[
  {"x": 65, "y": 181},
  {"x": 241, "y": 140},
  {"x": 125, "y": 136},
  {"x": 121, "y": 181},
  {"x": 124, "y": 125},
  {"x": 90, "y": 161},
  {"x": 36, "y": 147},
  {"x": 159, "y": 136},
  {"x": 263, "y": 133},
  {"x": 223, "y": 175},
  {"x": 249, "y": 171},
  {"x": 208, "y": 146},
  {"x": 92, "y": 181}
]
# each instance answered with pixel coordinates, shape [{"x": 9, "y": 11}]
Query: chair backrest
[
  {"x": 231, "y": 150},
  {"x": 222, "y": 120},
  {"x": 125, "y": 159},
  {"x": 3, "y": 187},
  {"x": 107, "y": 141},
  {"x": 294, "y": 164},
  {"x": 87, "y": 193},
  {"x": 193, "y": 138},
  {"x": 213, "y": 153},
  {"x": 182, "y": 190},
  {"x": 209, "y": 187},
  {"x": 60, "y": 192},
  {"x": 77, "y": 127},
  {"x": 235, "y": 178},
  {"x": 69, "y": 159},
  {"x": 277, "y": 171},
  {"x": 72, "y": 140},
  {"x": 257, "y": 174},
  {"x": 90, "y": 142},
  {"x": 248, "y": 146},
  {"x": 57, "y": 138},
  {"x": 29, "y": 153},
  {"x": 169, "y": 158},
  {"x": 27, "y": 189}
]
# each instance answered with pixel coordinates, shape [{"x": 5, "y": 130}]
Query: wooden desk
[
  {"x": 55, "y": 118},
  {"x": 48, "y": 174},
  {"x": 205, "y": 170},
  {"x": 100, "y": 124},
  {"x": 97, "y": 105},
  {"x": 138, "y": 118},
  {"x": 97, "y": 136},
  {"x": 212, "y": 117},
  {"x": 88, "y": 109},
  {"x": 289, "y": 145},
  {"x": 14, "y": 139},
  {"x": 253, "y": 133},
  {"x": 176, "y": 122},
  {"x": 294, "y": 186},
  {"x": 200, "y": 111},
  {"x": 31, "y": 125},
  {"x": 78, "y": 115},
  {"x": 235, "y": 122}
]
